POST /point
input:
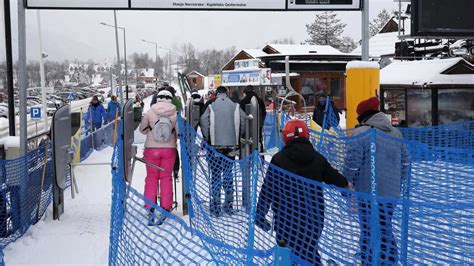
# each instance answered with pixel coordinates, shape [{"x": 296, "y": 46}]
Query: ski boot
[{"x": 150, "y": 217}]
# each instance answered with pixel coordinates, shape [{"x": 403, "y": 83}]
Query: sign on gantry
[{"x": 244, "y": 5}]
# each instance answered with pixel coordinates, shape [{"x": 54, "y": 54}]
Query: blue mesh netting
[
  {"x": 269, "y": 135},
  {"x": 132, "y": 242},
  {"x": 26, "y": 192},
  {"x": 413, "y": 204},
  {"x": 97, "y": 140},
  {"x": 330, "y": 119},
  {"x": 458, "y": 135},
  {"x": 26, "y": 185}
]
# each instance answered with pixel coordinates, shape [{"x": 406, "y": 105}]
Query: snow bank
[
  {"x": 362, "y": 64},
  {"x": 10, "y": 142}
]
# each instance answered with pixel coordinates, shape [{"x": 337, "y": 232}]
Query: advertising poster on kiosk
[{"x": 254, "y": 77}]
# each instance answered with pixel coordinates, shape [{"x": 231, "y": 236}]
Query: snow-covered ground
[{"x": 81, "y": 236}]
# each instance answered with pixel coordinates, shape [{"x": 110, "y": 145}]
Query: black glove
[{"x": 263, "y": 224}]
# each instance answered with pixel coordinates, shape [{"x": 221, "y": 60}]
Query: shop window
[
  {"x": 321, "y": 85},
  {"x": 419, "y": 108},
  {"x": 336, "y": 90},
  {"x": 394, "y": 105},
  {"x": 455, "y": 105},
  {"x": 308, "y": 91}
]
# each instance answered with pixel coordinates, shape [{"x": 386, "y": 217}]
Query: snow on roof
[
  {"x": 423, "y": 72},
  {"x": 255, "y": 53},
  {"x": 282, "y": 75},
  {"x": 297, "y": 49},
  {"x": 194, "y": 72},
  {"x": 383, "y": 44},
  {"x": 380, "y": 45},
  {"x": 362, "y": 64}
]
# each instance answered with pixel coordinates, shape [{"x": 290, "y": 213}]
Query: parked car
[
  {"x": 51, "y": 108},
  {"x": 141, "y": 84},
  {"x": 56, "y": 100}
]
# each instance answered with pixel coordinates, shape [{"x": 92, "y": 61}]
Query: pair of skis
[{"x": 152, "y": 220}]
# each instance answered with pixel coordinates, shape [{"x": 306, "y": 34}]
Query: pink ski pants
[{"x": 164, "y": 158}]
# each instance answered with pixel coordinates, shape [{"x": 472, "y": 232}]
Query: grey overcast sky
[{"x": 78, "y": 34}]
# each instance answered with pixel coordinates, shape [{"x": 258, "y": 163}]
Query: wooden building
[
  {"x": 196, "y": 80},
  {"x": 242, "y": 55},
  {"x": 321, "y": 68}
]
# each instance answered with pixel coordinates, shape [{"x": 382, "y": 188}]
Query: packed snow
[
  {"x": 362, "y": 64},
  {"x": 81, "y": 236}
]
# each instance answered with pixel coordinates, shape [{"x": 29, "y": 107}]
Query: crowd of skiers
[{"x": 298, "y": 214}]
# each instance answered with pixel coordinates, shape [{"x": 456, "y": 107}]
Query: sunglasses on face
[{"x": 196, "y": 96}]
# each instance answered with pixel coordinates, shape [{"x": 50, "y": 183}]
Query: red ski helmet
[{"x": 295, "y": 129}]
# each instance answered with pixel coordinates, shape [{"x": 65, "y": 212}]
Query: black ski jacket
[{"x": 298, "y": 206}]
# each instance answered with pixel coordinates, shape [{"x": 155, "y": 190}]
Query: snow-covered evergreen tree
[
  {"x": 379, "y": 21},
  {"x": 347, "y": 45},
  {"x": 326, "y": 29}
]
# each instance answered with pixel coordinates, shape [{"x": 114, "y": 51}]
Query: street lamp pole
[
  {"x": 118, "y": 57},
  {"x": 9, "y": 65},
  {"x": 126, "y": 68},
  {"x": 156, "y": 57},
  {"x": 169, "y": 61},
  {"x": 124, "y": 53},
  {"x": 42, "y": 74}
]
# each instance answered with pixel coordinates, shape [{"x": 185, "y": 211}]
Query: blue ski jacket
[
  {"x": 112, "y": 108},
  {"x": 97, "y": 114}
]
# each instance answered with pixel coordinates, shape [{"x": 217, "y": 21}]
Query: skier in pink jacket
[{"x": 160, "y": 150}]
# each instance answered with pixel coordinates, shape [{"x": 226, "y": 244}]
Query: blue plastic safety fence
[
  {"x": 331, "y": 119},
  {"x": 26, "y": 192},
  {"x": 97, "y": 140},
  {"x": 457, "y": 135},
  {"x": 134, "y": 242},
  {"x": 434, "y": 184},
  {"x": 26, "y": 186},
  {"x": 411, "y": 205}
]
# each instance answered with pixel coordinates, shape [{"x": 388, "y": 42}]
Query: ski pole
[
  {"x": 45, "y": 163},
  {"x": 115, "y": 126}
]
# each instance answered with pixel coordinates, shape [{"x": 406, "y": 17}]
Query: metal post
[
  {"x": 22, "y": 76},
  {"x": 365, "y": 30},
  {"x": 111, "y": 81},
  {"x": 9, "y": 59},
  {"x": 399, "y": 16},
  {"x": 156, "y": 62},
  {"x": 118, "y": 57},
  {"x": 253, "y": 207},
  {"x": 42, "y": 73},
  {"x": 169, "y": 65},
  {"x": 126, "y": 68}
]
